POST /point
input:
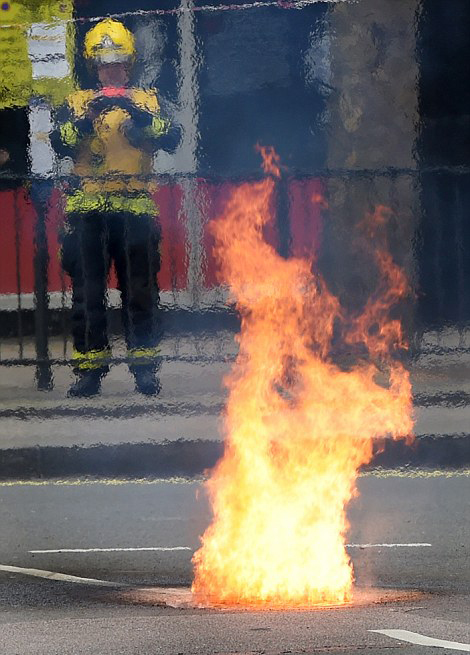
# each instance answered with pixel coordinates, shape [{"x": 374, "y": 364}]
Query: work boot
[
  {"x": 146, "y": 381},
  {"x": 88, "y": 384}
]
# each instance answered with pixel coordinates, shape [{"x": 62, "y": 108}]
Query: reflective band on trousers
[
  {"x": 143, "y": 355},
  {"x": 94, "y": 359},
  {"x": 81, "y": 202},
  {"x": 91, "y": 360}
]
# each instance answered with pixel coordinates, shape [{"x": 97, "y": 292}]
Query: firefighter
[{"x": 111, "y": 134}]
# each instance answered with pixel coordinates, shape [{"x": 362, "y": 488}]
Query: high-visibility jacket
[{"x": 111, "y": 135}]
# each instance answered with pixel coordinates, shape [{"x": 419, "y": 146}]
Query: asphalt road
[{"x": 59, "y": 617}]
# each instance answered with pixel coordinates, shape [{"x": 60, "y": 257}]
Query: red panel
[
  {"x": 216, "y": 198},
  {"x": 55, "y": 219},
  {"x": 16, "y": 203},
  {"x": 17, "y": 228},
  {"x": 173, "y": 273},
  {"x": 26, "y": 221},
  {"x": 307, "y": 205},
  {"x": 8, "y": 258}
]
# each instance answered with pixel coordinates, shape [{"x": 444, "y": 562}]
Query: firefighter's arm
[
  {"x": 149, "y": 130},
  {"x": 152, "y": 133},
  {"x": 69, "y": 131},
  {"x": 166, "y": 134}
]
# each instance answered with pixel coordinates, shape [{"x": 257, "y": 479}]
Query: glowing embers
[{"x": 298, "y": 427}]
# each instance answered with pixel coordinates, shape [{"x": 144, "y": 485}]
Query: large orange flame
[{"x": 298, "y": 426}]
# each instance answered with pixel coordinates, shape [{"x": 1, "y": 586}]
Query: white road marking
[
  {"x": 412, "y": 545},
  {"x": 61, "y": 577},
  {"x": 112, "y": 550},
  {"x": 422, "y": 640},
  {"x": 164, "y": 549},
  {"x": 109, "y": 482},
  {"x": 82, "y": 482}
]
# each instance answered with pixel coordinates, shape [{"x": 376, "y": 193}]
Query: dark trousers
[{"x": 89, "y": 244}]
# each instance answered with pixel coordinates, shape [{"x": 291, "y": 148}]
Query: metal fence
[{"x": 35, "y": 298}]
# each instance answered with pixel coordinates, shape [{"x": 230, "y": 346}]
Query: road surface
[{"x": 104, "y": 524}]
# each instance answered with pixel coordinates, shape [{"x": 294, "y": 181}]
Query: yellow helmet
[{"x": 109, "y": 42}]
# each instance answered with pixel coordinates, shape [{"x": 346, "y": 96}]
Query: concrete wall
[{"x": 373, "y": 119}]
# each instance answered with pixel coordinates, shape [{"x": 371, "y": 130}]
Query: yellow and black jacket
[{"x": 111, "y": 136}]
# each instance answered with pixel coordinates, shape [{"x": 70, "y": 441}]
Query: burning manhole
[
  {"x": 182, "y": 598},
  {"x": 298, "y": 425}
]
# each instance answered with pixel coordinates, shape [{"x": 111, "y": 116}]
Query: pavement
[
  {"x": 45, "y": 434},
  {"x": 71, "y": 616}
]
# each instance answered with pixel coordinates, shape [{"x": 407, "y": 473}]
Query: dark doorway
[{"x": 444, "y": 147}]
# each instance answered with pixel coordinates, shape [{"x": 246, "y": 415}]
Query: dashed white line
[
  {"x": 422, "y": 640},
  {"x": 411, "y": 545},
  {"x": 111, "y": 550},
  {"x": 60, "y": 577}
]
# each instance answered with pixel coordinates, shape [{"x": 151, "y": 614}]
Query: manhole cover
[{"x": 182, "y": 598}]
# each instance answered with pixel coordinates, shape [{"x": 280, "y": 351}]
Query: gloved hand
[
  {"x": 136, "y": 136},
  {"x": 102, "y": 104}
]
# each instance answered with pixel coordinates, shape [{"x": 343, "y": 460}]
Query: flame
[
  {"x": 271, "y": 160},
  {"x": 298, "y": 426},
  {"x": 320, "y": 199}
]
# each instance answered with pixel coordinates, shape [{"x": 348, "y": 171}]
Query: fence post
[
  {"x": 40, "y": 194},
  {"x": 283, "y": 215}
]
